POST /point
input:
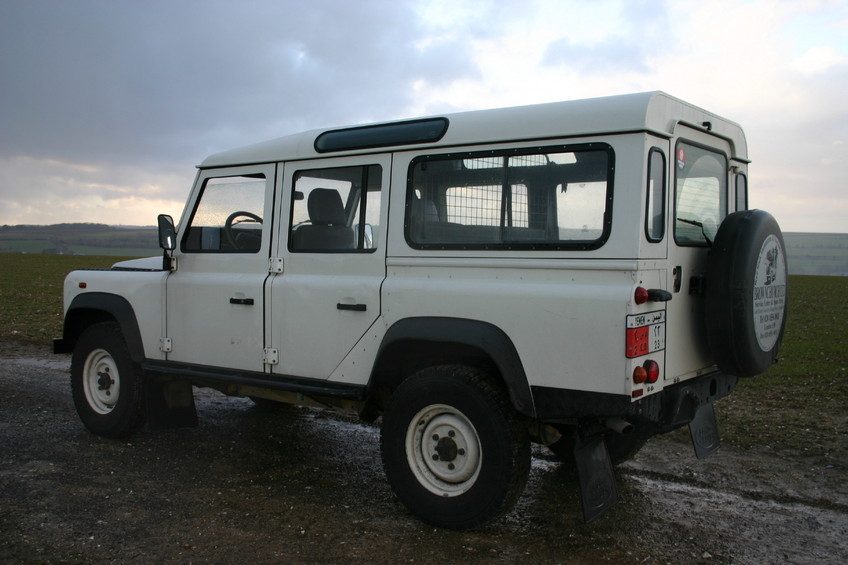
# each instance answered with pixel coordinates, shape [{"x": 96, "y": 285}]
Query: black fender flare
[
  {"x": 476, "y": 334},
  {"x": 93, "y": 307},
  {"x": 745, "y": 295}
]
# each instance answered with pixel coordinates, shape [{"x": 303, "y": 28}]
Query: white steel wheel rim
[
  {"x": 101, "y": 381},
  {"x": 443, "y": 450}
]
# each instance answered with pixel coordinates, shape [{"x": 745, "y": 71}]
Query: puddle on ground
[{"x": 56, "y": 365}]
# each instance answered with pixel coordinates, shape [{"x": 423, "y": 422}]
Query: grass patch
[
  {"x": 800, "y": 405},
  {"x": 31, "y": 294}
]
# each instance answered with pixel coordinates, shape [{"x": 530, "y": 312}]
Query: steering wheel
[{"x": 233, "y": 238}]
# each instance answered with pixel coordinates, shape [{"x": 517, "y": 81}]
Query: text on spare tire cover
[{"x": 769, "y": 292}]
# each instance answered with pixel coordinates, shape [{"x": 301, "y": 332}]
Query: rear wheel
[
  {"x": 453, "y": 448},
  {"x": 107, "y": 387}
]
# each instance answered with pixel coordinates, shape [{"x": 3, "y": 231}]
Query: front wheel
[
  {"x": 453, "y": 448},
  {"x": 106, "y": 386}
]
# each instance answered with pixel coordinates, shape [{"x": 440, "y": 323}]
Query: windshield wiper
[{"x": 698, "y": 224}]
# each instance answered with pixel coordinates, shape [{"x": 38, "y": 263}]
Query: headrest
[
  {"x": 425, "y": 210},
  {"x": 325, "y": 207}
]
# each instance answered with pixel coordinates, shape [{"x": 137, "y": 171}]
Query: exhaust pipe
[{"x": 619, "y": 426}]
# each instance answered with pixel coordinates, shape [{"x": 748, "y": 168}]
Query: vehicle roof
[{"x": 654, "y": 112}]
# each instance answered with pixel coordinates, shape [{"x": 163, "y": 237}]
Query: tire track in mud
[
  {"x": 752, "y": 495},
  {"x": 749, "y": 527}
]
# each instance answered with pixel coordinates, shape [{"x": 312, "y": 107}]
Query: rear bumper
[{"x": 673, "y": 407}]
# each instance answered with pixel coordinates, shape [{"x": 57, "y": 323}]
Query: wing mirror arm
[{"x": 167, "y": 240}]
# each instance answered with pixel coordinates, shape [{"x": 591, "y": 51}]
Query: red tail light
[
  {"x": 648, "y": 372},
  {"x": 653, "y": 370}
]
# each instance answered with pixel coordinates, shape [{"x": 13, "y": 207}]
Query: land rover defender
[{"x": 582, "y": 274}]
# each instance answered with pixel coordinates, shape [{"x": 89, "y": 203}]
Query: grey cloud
[{"x": 104, "y": 80}]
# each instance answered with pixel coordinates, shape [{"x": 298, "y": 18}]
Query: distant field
[
  {"x": 799, "y": 406},
  {"x": 817, "y": 253},
  {"x": 79, "y": 239}
]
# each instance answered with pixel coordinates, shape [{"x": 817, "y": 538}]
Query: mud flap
[
  {"x": 170, "y": 404},
  {"x": 594, "y": 472},
  {"x": 704, "y": 431}
]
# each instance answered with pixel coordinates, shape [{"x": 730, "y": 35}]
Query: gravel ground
[{"x": 301, "y": 485}]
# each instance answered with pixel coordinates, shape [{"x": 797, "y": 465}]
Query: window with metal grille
[
  {"x": 482, "y": 205},
  {"x": 548, "y": 197}
]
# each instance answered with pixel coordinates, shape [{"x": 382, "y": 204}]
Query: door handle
[
  {"x": 658, "y": 295},
  {"x": 354, "y": 307},
  {"x": 242, "y": 301}
]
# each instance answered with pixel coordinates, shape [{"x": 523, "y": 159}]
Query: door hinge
[
  {"x": 696, "y": 284},
  {"x": 165, "y": 344},
  {"x": 272, "y": 356},
  {"x": 276, "y": 265}
]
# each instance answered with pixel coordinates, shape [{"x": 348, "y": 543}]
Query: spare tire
[{"x": 745, "y": 293}]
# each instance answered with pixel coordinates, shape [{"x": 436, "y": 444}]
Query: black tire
[
  {"x": 621, "y": 447},
  {"x": 745, "y": 294},
  {"x": 453, "y": 448},
  {"x": 107, "y": 387}
]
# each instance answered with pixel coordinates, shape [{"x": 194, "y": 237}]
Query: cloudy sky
[{"x": 106, "y": 106}]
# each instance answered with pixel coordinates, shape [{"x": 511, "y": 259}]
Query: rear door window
[
  {"x": 336, "y": 209},
  {"x": 700, "y": 193}
]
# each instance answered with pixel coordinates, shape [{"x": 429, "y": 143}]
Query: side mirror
[{"x": 167, "y": 233}]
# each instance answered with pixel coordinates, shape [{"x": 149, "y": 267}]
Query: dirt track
[{"x": 306, "y": 486}]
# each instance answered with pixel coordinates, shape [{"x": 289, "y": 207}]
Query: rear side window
[
  {"x": 655, "y": 209},
  {"x": 700, "y": 194},
  {"x": 741, "y": 192},
  {"x": 551, "y": 197}
]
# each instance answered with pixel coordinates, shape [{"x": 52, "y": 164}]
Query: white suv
[{"x": 582, "y": 274}]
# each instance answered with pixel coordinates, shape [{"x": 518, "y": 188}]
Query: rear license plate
[{"x": 645, "y": 333}]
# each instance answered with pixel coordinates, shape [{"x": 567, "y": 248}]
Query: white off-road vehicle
[{"x": 581, "y": 274}]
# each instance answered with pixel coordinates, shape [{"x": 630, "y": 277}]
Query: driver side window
[{"x": 228, "y": 216}]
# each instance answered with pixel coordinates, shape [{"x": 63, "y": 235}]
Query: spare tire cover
[{"x": 745, "y": 293}]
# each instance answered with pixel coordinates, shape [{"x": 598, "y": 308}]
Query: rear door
[
  {"x": 333, "y": 250},
  {"x": 698, "y": 203}
]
